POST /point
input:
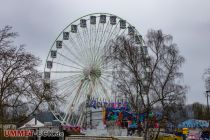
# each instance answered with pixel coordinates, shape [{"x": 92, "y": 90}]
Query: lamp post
[{"x": 207, "y": 97}]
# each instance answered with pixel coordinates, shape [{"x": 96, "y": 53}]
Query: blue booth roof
[{"x": 193, "y": 123}]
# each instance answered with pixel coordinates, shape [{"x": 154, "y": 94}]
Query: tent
[
  {"x": 33, "y": 123},
  {"x": 193, "y": 123}
]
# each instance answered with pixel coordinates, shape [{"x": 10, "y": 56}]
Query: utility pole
[{"x": 207, "y": 96}]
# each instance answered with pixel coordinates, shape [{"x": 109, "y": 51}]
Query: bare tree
[
  {"x": 200, "y": 111},
  {"x": 149, "y": 76},
  {"x": 22, "y": 89}
]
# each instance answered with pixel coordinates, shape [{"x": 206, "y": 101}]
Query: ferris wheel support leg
[
  {"x": 83, "y": 118},
  {"x": 91, "y": 88},
  {"x": 80, "y": 118},
  {"x": 70, "y": 108}
]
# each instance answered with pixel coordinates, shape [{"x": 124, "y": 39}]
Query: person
[
  {"x": 129, "y": 130},
  {"x": 140, "y": 128}
]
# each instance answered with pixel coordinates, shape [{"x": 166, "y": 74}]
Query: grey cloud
[{"x": 39, "y": 22}]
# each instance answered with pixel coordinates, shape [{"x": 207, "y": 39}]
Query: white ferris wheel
[{"x": 76, "y": 62}]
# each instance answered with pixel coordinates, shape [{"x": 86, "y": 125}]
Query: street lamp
[{"x": 207, "y": 96}]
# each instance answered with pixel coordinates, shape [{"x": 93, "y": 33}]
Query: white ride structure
[{"x": 77, "y": 64}]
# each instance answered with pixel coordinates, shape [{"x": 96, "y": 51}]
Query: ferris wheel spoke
[
  {"x": 115, "y": 37},
  {"x": 80, "y": 35},
  {"x": 105, "y": 37},
  {"x": 102, "y": 37},
  {"x": 89, "y": 49},
  {"x": 95, "y": 38},
  {"x": 81, "y": 119},
  {"x": 74, "y": 43},
  {"x": 70, "y": 109},
  {"x": 77, "y": 46},
  {"x": 66, "y": 71},
  {"x": 90, "y": 34},
  {"x": 86, "y": 37},
  {"x": 88, "y": 41},
  {"x": 66, "y": 78},
  {"x": 98, "y": 55},
  {"x": 108, "y": 75},
  {"x": 83, "y": 89},
  {"x": 78, "y": 92},
  {"x": 111, "y": 33},
  {"x": 104, "y": 90},
  {"x": 106, "y": 85},
  {"x": 71, "y": 52},
  {"x": 73, "y": 102},
  {"x": 67, "y": 89},
  {"x": 105, "y": 78},
  {"x": 114, "y": 71},
  {"x": 69, "y": 92},
  {"x": 66, "y": 65},
  {"x": 108, "y": 66},
  {"x": 92, "y": 31},
  {"x": 67, "y": 58},
  {"x": 101, "y": 29},
  {"x": 69, "y": 79},
  {"x": 86, "y": 33},
  {"x": 67, "y": 84},
  {"x": 109, "y": 30},
  {"x": 82, "y": 44},
  {"x": 78, "y": 39},
  {"x": 109, "y": 38},
  {"x": 98, "y": 91},
  {"x": 80, "y": 95}
]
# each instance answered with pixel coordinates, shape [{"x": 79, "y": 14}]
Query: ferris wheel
[{"x": 77, "y": 64}]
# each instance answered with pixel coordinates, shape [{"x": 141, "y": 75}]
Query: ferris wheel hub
[{"x": 92, "y": 72}]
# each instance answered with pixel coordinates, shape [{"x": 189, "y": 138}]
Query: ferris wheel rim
[{"x": 86, "y": 16}]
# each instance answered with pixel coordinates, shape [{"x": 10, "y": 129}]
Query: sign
[{"x": 100, "y": 104}]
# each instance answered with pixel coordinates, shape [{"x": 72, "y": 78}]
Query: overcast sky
[{"x": 40, "y": 21}]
